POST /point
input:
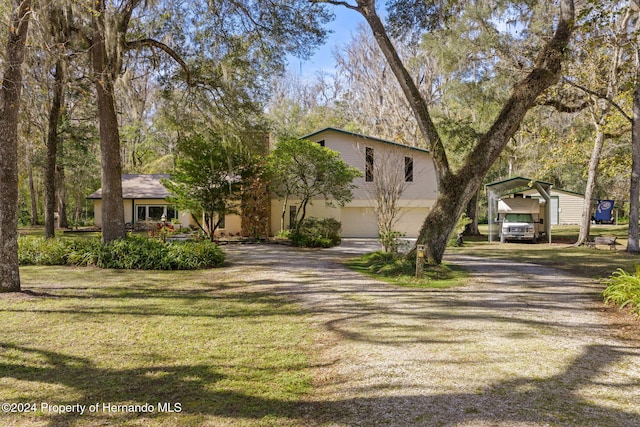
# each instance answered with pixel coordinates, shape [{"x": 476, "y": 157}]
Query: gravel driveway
[{"x": 520, "y": 345}]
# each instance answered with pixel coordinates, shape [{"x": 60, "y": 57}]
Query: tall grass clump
[
  {"x": 623, "y": 289},
  {"x": 131, "y": 253},
  {"x": 388, "y": 264}
]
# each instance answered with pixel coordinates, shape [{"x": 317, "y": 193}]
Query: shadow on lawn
[
  {"x": 554, "y": 400},
  {"x": 526, "y": 400}
]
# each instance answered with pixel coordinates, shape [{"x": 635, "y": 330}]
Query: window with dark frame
[
  {"x": 368, "y": 164},
  {"x": 321, "y": 142},
  {"x": 155, "y": 212},
  {"x": 408, "y": 169}
]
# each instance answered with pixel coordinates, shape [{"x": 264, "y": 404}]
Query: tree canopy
[{"x": 209, "y": 178}]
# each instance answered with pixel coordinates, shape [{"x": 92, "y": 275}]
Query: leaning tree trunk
[
  {"x": 104, "y": 72},
  {"x": 585, "y": 224},
  {"x": 634, "y": 193},
  {"x": 11, "y": 85},
  {"x": 457, "y": 189},
  {"x": 441, "y": 220}
]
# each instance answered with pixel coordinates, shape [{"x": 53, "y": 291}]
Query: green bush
[
  {"x": 88, "y": 252},
  {"x": 41, "y": 251},
  {"x": 317, "y": 233},
  {"x": 195, "y": 255},
  {"x": 623, "y": 289},
  {"x": 138, "y": 253}
]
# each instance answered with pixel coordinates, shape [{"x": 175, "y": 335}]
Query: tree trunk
[
  {"x": 457, "y": 189},
  {"x": 61, "y": 193},
  {"x": 32, "y": 193},
  {"x": 9, "y": 109},
  {"x": 52, "y": 151},
  {"x": 634, "y": 193},
  {"x": 472, "y": 213},
  {"x": 585, "y": 224},
  {"x": 104, "y": 72},
  {"x": 436, "y": 230}
]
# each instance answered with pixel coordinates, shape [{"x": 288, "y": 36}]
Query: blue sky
[{"x": 343, "y": 26}]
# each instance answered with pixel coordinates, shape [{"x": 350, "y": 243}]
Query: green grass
[
  {"x": 398, "y": 271},
  {"x": 561, "y": 254},
  {"x": 86, "y": 336}
]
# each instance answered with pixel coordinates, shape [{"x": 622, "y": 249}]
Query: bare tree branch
[
  {"x": 126, "y": 13},
  {"x": 338, "y": 3},
  {"x": 151, "y": 43}
]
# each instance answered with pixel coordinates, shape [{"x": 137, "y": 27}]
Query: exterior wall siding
[
  {"x": 129, "y": 206},
  {"x": 569, "y": 205},
  {"x": 570, "y": 208},
  {"x": 352, "y": 149}
]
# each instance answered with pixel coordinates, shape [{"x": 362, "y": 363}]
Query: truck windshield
[{"x": 518, "y": 217}]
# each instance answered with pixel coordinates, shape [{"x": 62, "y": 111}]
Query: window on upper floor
[
  {"x": 408, "y": 169},
  {"x": 368, "y": 170}
]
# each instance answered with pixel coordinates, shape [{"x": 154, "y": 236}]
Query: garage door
[
  {"x": 410, "y": 220},
  {"x": 358, "y": 222}
]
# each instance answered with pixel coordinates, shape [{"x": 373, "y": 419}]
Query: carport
[{"x": 517, "y": 184}]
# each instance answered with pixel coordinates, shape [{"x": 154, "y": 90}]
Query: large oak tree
[{"x": 457, "y": 187}]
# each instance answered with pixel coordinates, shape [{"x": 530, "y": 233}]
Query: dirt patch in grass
[{"x": 626, "y": 325}]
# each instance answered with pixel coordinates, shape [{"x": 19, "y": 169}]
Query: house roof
[
  {"x": 359, "y": 135},
  {"x": 140, "y": 187}
]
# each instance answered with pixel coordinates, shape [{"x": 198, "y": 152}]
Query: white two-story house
[{"x": 412, "y": 169}]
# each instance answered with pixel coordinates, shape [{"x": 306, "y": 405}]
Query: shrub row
[{"x": 138, "y": 253}]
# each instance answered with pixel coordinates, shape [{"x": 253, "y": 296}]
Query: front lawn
[{"x": 149, "y": 348}]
